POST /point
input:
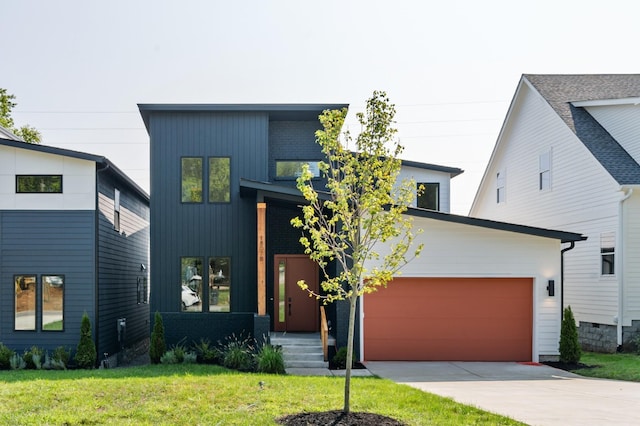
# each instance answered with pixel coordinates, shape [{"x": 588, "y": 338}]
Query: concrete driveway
[{"x": 533, "y": 394}]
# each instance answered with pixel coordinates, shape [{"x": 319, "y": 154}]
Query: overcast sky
[{"x": 79, "y": 68}]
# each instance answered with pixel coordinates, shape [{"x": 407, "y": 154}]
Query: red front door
[{"x": 294, "y": 310}]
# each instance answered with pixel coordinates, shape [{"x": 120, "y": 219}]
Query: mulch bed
[
  {"x": 569, "y": 366},
  {"x": 337, "y": 418}
]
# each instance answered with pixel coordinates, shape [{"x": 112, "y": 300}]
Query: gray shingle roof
[{"x": 560, "y": 90}]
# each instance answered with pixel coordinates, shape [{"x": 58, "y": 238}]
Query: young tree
[
  {"x": 364, "y": 208},
  {"x": 26, "y": 132},
  {"x": 570, "y": 351},
  {"x": 86, "y": 351},
  {"x": 157, "y": 346}
]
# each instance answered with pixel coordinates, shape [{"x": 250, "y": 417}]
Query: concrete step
[
  {"x": 300, "y": 350},
  {"x": 305, "y": 364}
]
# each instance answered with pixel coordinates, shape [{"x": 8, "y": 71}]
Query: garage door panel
[{"x": 450, "y": 319}]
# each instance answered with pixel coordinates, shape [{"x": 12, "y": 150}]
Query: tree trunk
[{"x": 347, "y": 377}]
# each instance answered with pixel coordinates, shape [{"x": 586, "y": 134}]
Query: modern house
[
  {"x": 226, "y": 259},
  {"x": 568, "y": 157},
  {"x": 74, "y": 238}
]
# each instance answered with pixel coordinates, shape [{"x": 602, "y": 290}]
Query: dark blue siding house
[
  {"x": 74, "y": 238},
  {"x": 214, "y": 169}
]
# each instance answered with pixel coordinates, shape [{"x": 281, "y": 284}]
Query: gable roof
[
  {"x": 453, "y": 171},
  {"x": 567, "y": 94},
  {"x": 105, "y": 162}
]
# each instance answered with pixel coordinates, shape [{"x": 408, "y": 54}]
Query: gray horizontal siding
[{"x": 47, "y": 242}]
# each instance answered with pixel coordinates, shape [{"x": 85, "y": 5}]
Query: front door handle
[{"x": 289, "y": 306}]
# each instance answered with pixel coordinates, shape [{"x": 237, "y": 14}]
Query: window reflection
[
  {"x": 52, "y": 303},
  {"x": 219, "y": 284},
  {"x": 191, "y": 284},
  {"x": 25, "y": 302}
]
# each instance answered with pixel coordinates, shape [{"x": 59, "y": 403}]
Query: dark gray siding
[
  {"x": 48, "y": 242},
  {"x": 120, "y": 256},
  {"x": 203, "y": 230}
]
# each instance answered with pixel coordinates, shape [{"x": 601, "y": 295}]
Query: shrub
[
  {"x": 33, "y": 358},
  {"x": 569, "y": 345},
  {"x": 157, "y": 345},
  {"x": 86, "y": 352},
  {"x": 339, "y": 360},
  {"x": 237, "y": 353},
  {"x": 17, "y": 362},
  {"x": 169, "y": 357},
  {"x": 190, "y": 358},
  {"x": 207, "y": 353},
  {"x": 60, "y": 358},
  {"x": 269, "y": 360},
  {"x": 5, "y": 357}
]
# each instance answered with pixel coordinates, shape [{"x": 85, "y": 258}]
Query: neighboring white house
[
  {"x": 567, "y": 158},
  {"x": 481, "y": 290}
]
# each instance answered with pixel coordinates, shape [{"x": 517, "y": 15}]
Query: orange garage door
[{"x": 450, "y": 319}]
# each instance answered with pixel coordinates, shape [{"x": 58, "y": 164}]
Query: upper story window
[
  {"x": 116, "y": 209},
  {"x": 191, "y": 173},
  {"x": 39, "y": 184},
  {"x": 292, "y": 169},
  {"x": 500, "y": 186},
  {"x": 430, "y": 196},
  {"x": 219, "y": 179},
  {"x": 544, "y": 173},
  {"x": 607, "y": 253}
]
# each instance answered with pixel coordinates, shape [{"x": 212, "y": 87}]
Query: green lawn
[
  {"x": 200, "y": 394},
  {"x": 621, "y": 366}
]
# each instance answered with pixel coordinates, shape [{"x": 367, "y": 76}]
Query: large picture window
[
  {"x": 25, "y": 302},
  {"x": 191, "y": 284},
  {"x": 219, "y": 284},
  {"x": 38, "y": 184},
  {"x": 191, "y": 172},
  {"x": 430, "y": 197},
  {"x": 219, "y": 179},
  {"x": 52, "y": 303}
]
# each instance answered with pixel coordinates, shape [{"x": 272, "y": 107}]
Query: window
[
  {"x": 191, "y": 169},
  {"x": 52, "y": 303},
  {"x": 219, "y": 284},
  {"x": 142, "y": 290},
  {"x": 544, "y": 174},
  {"x": 25, "y": 302},
  {"x": 38, "y": 184},
  {"x": 219, "y": 180},
  {"x": 500, "y": 187},
  {"x": 291, "y": 169},
  {"x": 430, "y": 197},
  {"x": 607, "y": 253},
  {"x": 191, "y": 284},
  {"x": 116, "y": 210}
]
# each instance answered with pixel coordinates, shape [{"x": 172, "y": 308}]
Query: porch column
[{"x": 262, "y": 266}]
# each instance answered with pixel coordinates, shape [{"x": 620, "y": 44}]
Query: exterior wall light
[{"x": 551, "y": 288}]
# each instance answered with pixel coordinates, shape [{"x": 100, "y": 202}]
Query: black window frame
[
  {"x": 228, "y": 201},
  {"x": 422, "y": 196},
  {"x": 18, "y": 191},
  {"x": 292, "y": 160},
  {"x": 202, "y": 181}
]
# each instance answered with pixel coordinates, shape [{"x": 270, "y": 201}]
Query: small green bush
[
  {"x": 157, "y": 346},
  {"x": 269, "y": 360},
  {"x": 17, "y": 362},
  {"x": 169, "y": 357},
  {"x": 570, "y": 351},
  {"x": 339, "y": 360},
  {"x": 207, "y": 353},
  {"x": 237, "y": 353},
  {"x": 34, "y": 358},
  {"x": 86, "y": 352},
  {"x": 5, "y": 357},
  {"x": 190, "y": 357},
  {"x": 60, "y": 358}
]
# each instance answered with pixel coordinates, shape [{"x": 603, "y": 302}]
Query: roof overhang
[
  {"x": 262, "y": 190},
  {"x": 606, "y": 102}
]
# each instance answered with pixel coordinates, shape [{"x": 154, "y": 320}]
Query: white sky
[{"x": 78, "y": 68}]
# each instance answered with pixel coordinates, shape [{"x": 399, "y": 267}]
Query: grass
[
  {"x": 201, "y": 394},
  {"x": 619, "y": 366}
]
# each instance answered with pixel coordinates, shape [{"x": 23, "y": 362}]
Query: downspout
[
  {"x": 562, "y": 252},
  {"x": 620, "y": 261}
]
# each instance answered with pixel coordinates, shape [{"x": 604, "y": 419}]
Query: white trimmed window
[
  {"x": 500, "y": 186},
  {"x": 607, "y": 253},
  {"x": 544, "y": 173},
  {"x": 116, "y": 210}
]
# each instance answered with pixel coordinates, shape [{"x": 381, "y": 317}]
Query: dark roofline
[
  {"x": 453, "y": 171},
  {"x": 276, "y": 111},
  {"x": 564, "y": 237},
  {"x": 248, "y": 186},
  {"x": 105, "y": 162}
]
